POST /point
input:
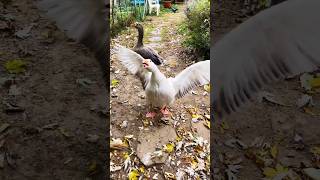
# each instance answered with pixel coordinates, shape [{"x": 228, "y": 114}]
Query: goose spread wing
[
  {"x": 195, "y": 75},
  {"x": 84, "y": 21},
  {"x": 272, "y": 45},
  {"x": 133, "y": 62}
]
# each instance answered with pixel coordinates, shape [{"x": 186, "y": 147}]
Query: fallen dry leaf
[
  {"x": 114, "y": 83},
  {"x": 118, "y": 144},
  {"x": 168, "y": 175},
  {"x": 15, "y": 66},
  {"x": 207, "y": 87},
  {"x": 274, "y": 151},
  {"x": 133, "y": 174},
  {"x": 273, "y": 172},
  {"x": 314, "y": 83},
  {"x": 169, "y": 148},
  {"x": 207, "y": 124}
]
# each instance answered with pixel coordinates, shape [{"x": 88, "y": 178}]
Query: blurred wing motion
[
  {"x": 280, "y": 41},
  {"x": 84, "y": 21},
  {"x": 197, "y": 74},
  {"x": 133, "y": 62}
]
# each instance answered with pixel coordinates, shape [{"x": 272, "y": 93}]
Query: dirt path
[
  {"x": 251, "y": 143},
  {"x": 51, "y": 121},
  {"x": 128, "y": 103}
]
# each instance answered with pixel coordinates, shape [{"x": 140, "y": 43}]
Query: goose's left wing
[{"x": 195, "y": 75}]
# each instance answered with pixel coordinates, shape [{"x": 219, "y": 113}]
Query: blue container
[{"x": 137, "y": 2}]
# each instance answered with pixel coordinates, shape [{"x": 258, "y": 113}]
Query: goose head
[
  {"x": 137, "y": 25},
  {"x": 148, "y": 65}
]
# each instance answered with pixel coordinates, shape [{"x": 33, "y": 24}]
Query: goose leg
[
  {"x": 165, "y": 111},
  {"x": 151, "y": 114}
]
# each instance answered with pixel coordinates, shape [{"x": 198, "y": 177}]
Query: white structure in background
[{"x": 154, "y": 4}]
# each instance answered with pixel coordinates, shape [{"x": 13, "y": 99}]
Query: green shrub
[
  {"x": 196, "y": 27},
  {"x": 121, "y": 21}
]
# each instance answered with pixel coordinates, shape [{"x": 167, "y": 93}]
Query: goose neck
[
  {"x": 156, "y": 76},
  {"x": 140, "y": 36}
]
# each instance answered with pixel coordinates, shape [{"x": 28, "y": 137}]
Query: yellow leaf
[
  {"x": 196, "y": 116},
  {"x": 194, "y": 164},
  {"x": 126, "y": 142},
  {"x": 15, "y": 66},
  {"x": 126, "y": 155},
  {"x": 207, "y": 124},
  {"x": 133, "y": 174},
  {"x": 314, "y": 82},
  {"x": 145, "y": 122},
  {"x": 315, "y": 151},
  {"x": 114, "y": 83},
  {"x": 274, "y": 151},
  {"x": 169, "y": 147},
  {"x": 269, "y": 172},
  {"x": 272, "y": 172},
  {"x": 178, "y": 138},
  {"x": 207, "y": 87},
  {"x": 141, "y": 169}
]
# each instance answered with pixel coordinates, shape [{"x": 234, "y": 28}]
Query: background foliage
[{"x": 196, "y": 27}]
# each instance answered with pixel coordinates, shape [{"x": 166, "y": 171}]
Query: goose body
[
  {"x": 145, "y": 51},
  {"x": 160, "y": 90}
]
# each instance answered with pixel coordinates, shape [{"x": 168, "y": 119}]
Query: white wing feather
[
  {"x": 195, "y": 75},
  {"x": 133, "y": 62}
]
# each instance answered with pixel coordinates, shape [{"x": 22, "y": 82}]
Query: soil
[
  {"x": 287, "y": 135},
  {"x": 55, "y": 107},
  {"x": 128, "y": 99}
]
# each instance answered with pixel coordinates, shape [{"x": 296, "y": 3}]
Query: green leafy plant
[{"x": 196, "y": 28}]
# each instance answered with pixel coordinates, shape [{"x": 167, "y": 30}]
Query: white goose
[{"x": 160, "y": 90}]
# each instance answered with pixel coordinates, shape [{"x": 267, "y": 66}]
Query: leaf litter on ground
[{"x": 15, "y": 66}]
